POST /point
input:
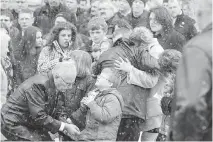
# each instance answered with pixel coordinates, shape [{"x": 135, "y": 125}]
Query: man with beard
[{"x": 45, "y": 16}]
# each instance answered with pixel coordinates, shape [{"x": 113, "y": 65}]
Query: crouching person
[
  {"x": 28, "y": 113},
  {"x": 104, "y": 108}
]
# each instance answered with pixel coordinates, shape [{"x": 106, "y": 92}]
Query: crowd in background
[{"x": 106, "y": 70}]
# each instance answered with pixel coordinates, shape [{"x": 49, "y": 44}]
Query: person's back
[{"x": 194, "y": 87}]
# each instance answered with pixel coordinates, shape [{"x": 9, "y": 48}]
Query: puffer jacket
[{"x": 103, "y": 117}]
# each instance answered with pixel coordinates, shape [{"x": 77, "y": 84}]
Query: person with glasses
[{"x": 31, "y": 111}]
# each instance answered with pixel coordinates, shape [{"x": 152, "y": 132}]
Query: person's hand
[
  {"x": 87, "y": 100},
  {"x": 71, "y": 130},
  {"x": 123, "y": 65}
]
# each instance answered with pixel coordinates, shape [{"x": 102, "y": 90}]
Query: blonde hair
[{"x": 83, "y": 62}]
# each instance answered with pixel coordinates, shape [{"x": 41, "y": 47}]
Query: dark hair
[
  {"x": 8, "y": 14},
  {"x": 169, "y": 61},
  {"x": 28, "y": 41},
  {"x": 164, "y": 18},
  {"x": 97, "y": 23},
  {"x": 54, "y": 33}
]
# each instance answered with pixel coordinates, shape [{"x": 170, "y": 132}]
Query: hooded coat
[{"x": 103, "y": 116}]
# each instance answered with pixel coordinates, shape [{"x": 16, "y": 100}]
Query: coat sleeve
[
  {"x": 108, "y": 112},
  {"x": 36, "y": 103},
  {"x": 193, "y": 104},
  {"x": 141, "y": 78}
]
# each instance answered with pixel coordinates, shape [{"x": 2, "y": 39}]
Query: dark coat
[
  {"x": 186, "y": 26},
  {"x": 171, "y": 40},
  {"x": 27, "y": 113},
  {"x": 142, "y": 20},
  {"x": 134, "y": 96},
  {"x": 192, "y": 116},
  {"x": 74, "y": 96},
  {"x": 45, "y": 17}
]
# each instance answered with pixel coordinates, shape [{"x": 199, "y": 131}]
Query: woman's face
[
  {"x": 65, "y": 38},
  {"x": 39, "y": 40},
  {"x": 154, "y": 25}
]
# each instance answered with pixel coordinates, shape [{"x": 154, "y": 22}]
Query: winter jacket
[
  {"x": 45, "y": 17},
  {"x": 27, "y": 113},
  {"x": 134, "y": 96},
  {"x": 186, "y": 26},
  {"x": 171, "y": 40},
  {"x": 50, "y": 56},
  {"x": 142, "y": 20},
  {"x": 103, "y": 116},
  {"x": 74, "y": 96},
  {"x": 192, "y": 115}
]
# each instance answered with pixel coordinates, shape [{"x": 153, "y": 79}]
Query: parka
[{"x": 103, "y": 116}]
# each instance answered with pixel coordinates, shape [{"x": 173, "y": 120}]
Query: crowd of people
[{"x": 106, "y": 70}]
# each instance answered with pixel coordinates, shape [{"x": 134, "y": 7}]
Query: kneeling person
[{"x": 29, "y": 111}]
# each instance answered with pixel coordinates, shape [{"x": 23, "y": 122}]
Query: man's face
[
  {"x": 106, "y": 11},
  {"x": 174, "y": 8},
  {"x": 25, "y": 20},
  {"x": 5, "y": 19},
  {"x": 21, "y": 4},
  {"x": 5, "y": 4},
  {"x": 97, "y": 35},
  {"x": 71, "y": 4},
  {"x": 137, "y": 7},
  {"x": 62, "y": 83},
  {"x": 54, "y": 3},
  {"x": 94, "y": 9}
]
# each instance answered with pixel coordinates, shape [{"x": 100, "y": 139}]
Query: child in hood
[{"x": 104, "y": 108}]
